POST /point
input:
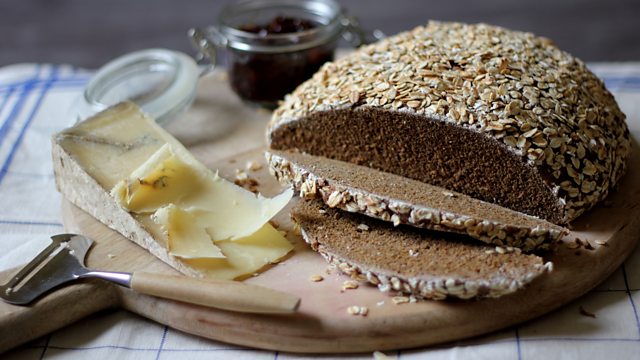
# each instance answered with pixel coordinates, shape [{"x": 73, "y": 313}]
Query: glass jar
[{"x": 263, "y": 67}]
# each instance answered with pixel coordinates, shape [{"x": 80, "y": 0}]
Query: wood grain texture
[{"x": 322, "y": 323}]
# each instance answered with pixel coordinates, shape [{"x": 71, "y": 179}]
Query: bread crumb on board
[
  {"x": 253, "y": 165},
  {"x": 400, "y": 300},
  {"x": 349, "y": 284},
  {"x": 244, "y": 180},
  {"x": 316, "y": 278},
  {"x": 358, "y": 310}
]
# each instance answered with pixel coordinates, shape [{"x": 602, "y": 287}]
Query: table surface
[{"x": 35, "y": 102}]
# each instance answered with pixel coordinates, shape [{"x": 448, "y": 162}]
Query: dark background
[{"x": 88, "y": 33}]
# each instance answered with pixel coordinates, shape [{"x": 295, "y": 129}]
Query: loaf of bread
[
  {"x": 502, "y": 116},
  {"x": 425, "y": 264},
  {"x": 401, "y": 200}
]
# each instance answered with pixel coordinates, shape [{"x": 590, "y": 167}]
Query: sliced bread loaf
[
  {"x": 402, "y": 200},
  {"x": 423, "y": 263},
  {"x": 502, "y": 116}
]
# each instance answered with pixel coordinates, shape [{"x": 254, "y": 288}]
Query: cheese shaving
[
  {"x": 224, "y": 209},
  {"x": 186, "y": 239}
]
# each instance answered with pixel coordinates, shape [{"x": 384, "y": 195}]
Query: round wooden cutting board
[{"x": 323, "y": 323}]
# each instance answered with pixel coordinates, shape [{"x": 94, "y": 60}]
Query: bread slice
[
  {"x": 414, "y": 261},
  {"x": 402, "y": 200},
  {"x": 502, "y": 116}
]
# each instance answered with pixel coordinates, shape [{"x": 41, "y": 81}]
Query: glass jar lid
[{"x": 162, "y": 82}]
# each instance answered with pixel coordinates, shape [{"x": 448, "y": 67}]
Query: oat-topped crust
[{"x": 541, "y": 102}]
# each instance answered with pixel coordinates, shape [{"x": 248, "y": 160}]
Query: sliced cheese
[
  {"x": 224, "y": 209},
  {"x": 185, "y": 238},
  {"x": 245, "y": 256},
  {"x": 242, "y": 213},
  {"x": 163, "y": 179}
]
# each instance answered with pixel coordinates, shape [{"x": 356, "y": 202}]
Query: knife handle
[{"x": 220, "y": 294}]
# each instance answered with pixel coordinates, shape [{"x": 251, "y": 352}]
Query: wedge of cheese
[{"x": 129, "y": 173}]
